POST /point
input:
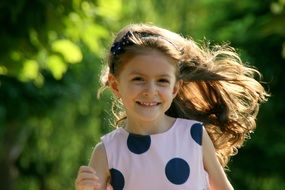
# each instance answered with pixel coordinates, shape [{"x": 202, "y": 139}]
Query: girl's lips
[{"x": 148, "y": 103}]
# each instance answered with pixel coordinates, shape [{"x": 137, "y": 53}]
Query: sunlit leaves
[
  {"x": 110, "y": 9},
  {"x": 30, "y": 71},
  {"x": 278, "y": 7},
  {"x": 91, "y": 37},
  {"x": 70, "y": 51},
  {"x": 49, "y": 82},
  {"x": 57, "y": 66},
  {"x": 81, "y": 27},
  {"x": 3, "y": 70}
]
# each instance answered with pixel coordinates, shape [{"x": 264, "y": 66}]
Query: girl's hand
[{"x": 88, "y": 180}]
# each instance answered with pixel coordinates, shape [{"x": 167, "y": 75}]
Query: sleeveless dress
[{"x": 171, "y": 160}]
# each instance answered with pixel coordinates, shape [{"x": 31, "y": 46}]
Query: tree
[{"x": 49, "y": 67}]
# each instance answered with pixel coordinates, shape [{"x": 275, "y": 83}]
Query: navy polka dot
[
  {"x": 177, "y": 171},
  {"x": 117, "y": 179},
  {"x": 138, "y": 144},
  {"x": 196, "y": 132}
]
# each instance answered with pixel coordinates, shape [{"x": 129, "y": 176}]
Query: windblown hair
[{"x": 218, "y": 89}]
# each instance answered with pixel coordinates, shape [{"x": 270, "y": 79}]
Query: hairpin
[{"x": 118, "y": 47}]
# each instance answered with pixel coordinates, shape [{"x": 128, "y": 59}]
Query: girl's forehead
[{"x": 151, "y": 63}]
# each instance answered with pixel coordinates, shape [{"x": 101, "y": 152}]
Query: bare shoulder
[
  {"x": 217, "y": 176},
  {"x": 99, "y": 156},
  {"x": 99, "y": 163}
]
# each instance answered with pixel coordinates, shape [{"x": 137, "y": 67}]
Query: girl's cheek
[{"x": 134, "y": 88}]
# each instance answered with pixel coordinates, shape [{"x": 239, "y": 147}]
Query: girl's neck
[{"x": 149, "y": 127}]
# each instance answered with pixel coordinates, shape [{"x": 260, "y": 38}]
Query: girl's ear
[
  {"x": 176, "y": 88},
  {"x": 113, "y": 84}
]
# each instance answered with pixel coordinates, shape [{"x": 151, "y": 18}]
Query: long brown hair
[{"x": 218, "y": 89}]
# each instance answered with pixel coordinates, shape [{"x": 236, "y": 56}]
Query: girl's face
[{"x": 146, "y": 85}]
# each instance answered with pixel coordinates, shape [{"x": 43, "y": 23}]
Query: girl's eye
[
  {"x": 163, "y": 81},
  {"x": 137, "y": 79}
]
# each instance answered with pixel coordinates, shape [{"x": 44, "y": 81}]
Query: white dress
[{"x": 171, "y": 160}]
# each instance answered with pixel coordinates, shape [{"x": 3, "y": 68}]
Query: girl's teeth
[{"x": 148, "y": 104}]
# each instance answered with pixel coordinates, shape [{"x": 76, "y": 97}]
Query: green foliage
[
  {"x": 50, "y": 62},
  {"x": 50, "y": 116}
]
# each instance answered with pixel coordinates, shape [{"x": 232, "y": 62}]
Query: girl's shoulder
[
  {"x": 193, "y": 128},
  {"x": 115, "y": 134},
  {"x": 188, "y": 122}
]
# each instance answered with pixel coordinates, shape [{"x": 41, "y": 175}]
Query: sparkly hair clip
[{"x": 118, "y": 47}]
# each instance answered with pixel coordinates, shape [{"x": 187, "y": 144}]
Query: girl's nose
[{"x": 150, "y": 89}]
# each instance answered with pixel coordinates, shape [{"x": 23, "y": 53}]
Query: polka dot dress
[{"x": 169, "y": 160}]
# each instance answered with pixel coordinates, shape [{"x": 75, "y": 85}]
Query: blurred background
[{"x": 51, "y": 53}]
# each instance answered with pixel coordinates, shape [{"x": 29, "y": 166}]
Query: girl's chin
[{"x": 149, "y": 116}]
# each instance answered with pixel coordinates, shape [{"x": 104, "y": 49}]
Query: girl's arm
[
  {"x": 99, "y": 163},
  {"x": 217, "y": 177},
  {"x": 87, "y": 177}
]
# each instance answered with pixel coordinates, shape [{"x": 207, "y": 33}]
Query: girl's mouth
[{"x": 148, "y": 104}]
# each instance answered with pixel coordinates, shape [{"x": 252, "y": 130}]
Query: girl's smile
[{"x": 148, "y": 104}]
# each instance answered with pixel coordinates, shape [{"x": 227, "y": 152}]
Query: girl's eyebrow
[
  {"x": 135, "y": 73},
  {"x": 139, "y": 73},
  {"x": 165, "y": 75}
]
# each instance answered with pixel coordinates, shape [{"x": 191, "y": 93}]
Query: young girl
[{"x": 185, "y": 110}]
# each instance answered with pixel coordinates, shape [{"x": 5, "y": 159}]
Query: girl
[{"x": 185, "y": 110}]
